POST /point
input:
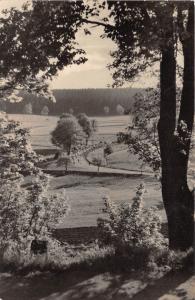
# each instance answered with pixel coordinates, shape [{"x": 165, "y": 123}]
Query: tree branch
[
  {"x": 98, "y": 23},
  {"x": 146, "y": 15},
  {"x": 180, "y": 19}
]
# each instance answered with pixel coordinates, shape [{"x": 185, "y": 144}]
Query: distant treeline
[{"x": 93, "y": 102}]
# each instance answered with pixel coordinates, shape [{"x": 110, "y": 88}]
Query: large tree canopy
[
  {"x": 37, "y": 42},
  {"x": 146, "y": 32}
]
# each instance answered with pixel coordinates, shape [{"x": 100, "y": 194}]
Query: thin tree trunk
[
  {"x": 66, "y": 166},
  {"x": 69, "y": 149}
]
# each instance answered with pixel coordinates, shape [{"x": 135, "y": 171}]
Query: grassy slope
[
  {"x": 41, "y": 127},
  {"x": 123, "y": 159},
  {"x": 85, "y": 195}
]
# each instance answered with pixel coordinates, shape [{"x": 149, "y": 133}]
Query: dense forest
[{"x": 93, "y": 102}]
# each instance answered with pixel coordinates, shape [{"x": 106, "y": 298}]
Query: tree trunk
[
  {"x": 177, "y": 198},
  {"x": 66, "y": 166},
  {"x": 69, "y": 149},
  {"x": 187, "y": 115}
]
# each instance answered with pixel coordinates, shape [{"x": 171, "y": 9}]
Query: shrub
[
  {"x": 45, "y": 110},
  {"x": 98, "y": 161},
  {"x": 26, "y": 214},
  {"x": 64, "y": 159},
  {"x": 108, "y": 150},
  {"x": 120, "y": 109},
  {"x": 177, "y": 260},
  {"x": 132, "y": 230},
  {"x": 86, "y": 125},
  {"x": 28, "y": 109}
]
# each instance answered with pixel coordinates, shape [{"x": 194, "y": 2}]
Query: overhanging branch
[{"x": 98, "y": 23}]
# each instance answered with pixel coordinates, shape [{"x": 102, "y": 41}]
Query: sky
[{"x": 94, "y": 73}]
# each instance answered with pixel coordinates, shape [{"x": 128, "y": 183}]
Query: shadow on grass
[
  {"x": 98, "y": 279},
  {"x": 65, "y": 186},
  {"x": 80, "y": 285},
  {"x": 79, "y": 281},
  {"x": 165, "y": 285}
]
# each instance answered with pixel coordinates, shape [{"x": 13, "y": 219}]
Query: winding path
[{"x": 83, "y": 166}]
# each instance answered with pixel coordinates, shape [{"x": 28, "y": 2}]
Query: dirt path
[{"x": 83, "y": 166}]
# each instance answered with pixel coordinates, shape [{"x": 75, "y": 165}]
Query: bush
[
  {"x": 98, "y": 161},
  {"x": 177, "y": 260},
  {"x": 132, "y": 230},
  {"x": 26, "y": 214},
  {"x": 108, "y": 150},
  {"x": 86, "y": 125}
]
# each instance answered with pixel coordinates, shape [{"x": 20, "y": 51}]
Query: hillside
[{"x": 90, "y": 101}]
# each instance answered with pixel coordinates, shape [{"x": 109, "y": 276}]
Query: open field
[
  {"x": 122, "y": 159},
  {"x": 85, "y": 195},
  {"x": 41, "y": 127},
  {"x": 85, "y": 192}
]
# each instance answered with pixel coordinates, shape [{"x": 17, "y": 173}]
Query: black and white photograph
[{"x": 96, "y": 150}]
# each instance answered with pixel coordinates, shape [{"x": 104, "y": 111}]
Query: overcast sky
[{"x": 92, "y": 74}]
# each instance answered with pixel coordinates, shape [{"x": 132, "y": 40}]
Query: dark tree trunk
[
  {"x": 69, "y": 148},
  {"x": 187, "y": 115},
  {"x": 177, "y": 198},
  {"x": 187, "y": 99},
  {"x": 66, "y": 166}
]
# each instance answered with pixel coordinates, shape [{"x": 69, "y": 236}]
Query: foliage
[
  {"x": 131, "y": 228},
  {"x": 27, "y": 208},
  {"x": 139, "y": 31},
  {"x": 91, "y": 101},
  {"x": 16, "y": 154},
  {"x": 182, "y": 137},
  {"x": 67, "y": 134},
  {"x": 45, "y": 110},
  {"x": 27, "y": 109},
  {"x": 2, "y": 105},
  {"x": 71, "y": 111},
  {"x": 177, "y": 197},
  {"x": 108, "y": 150},
  {"x": 142, "y": 136},
  {"x": 143, "y": 36},
  {"x": 66, "y": 115},
  {"x": 49, "y": 49},
  {"x": 147, "y": 32},
  {"x": 98, "y": 161},
  {"x": 178, "y": 260},
  {"x": 119, "y": 109},
  {"x": 86, "y": 125},
  {"x": 94, "y": 125},
  {"x": 106, "y": 110},
  {"x": 27, "y": 215},
  {"x": 64, "y": 159}
]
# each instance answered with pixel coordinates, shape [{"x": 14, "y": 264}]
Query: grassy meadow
[
  {"x": 41, "y": 127},
  {"x": 85, "y": 192},
  {"x": 85, "y": 195}
]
